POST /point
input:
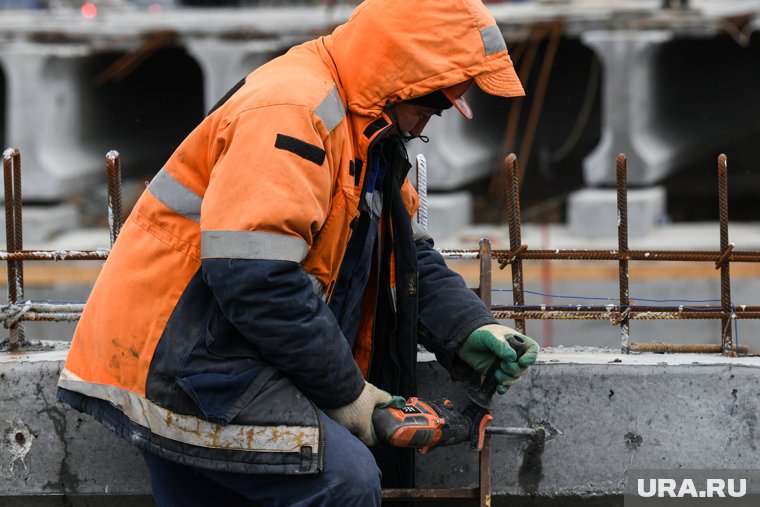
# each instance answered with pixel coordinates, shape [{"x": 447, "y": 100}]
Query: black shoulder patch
[
  {"x": 303, "y": 149},
  {"x": 227, "y": 95},
  {"x": 358, "y": 172},
  {"x": 373, "y": 127}
]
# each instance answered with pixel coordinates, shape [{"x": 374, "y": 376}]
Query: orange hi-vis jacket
[{"x": 207, "y": 338}]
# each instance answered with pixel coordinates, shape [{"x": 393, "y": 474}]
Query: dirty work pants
[{"x": 349, "y": 477}]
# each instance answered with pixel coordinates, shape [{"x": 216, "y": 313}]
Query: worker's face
[{"x": 412, "y": 118}]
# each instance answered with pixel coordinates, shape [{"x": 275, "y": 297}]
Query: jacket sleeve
[
  {"x": 272, "y": 303},
  {"x": 267, "y": 198},
  {"x": 448, "y": 310}
]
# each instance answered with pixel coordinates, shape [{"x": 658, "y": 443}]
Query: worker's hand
[
  {"x": 488, "y": 343},
  {"x": 357, "y": 415}
]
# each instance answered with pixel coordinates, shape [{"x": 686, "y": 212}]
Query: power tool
[{"x": 425, "y": 424}]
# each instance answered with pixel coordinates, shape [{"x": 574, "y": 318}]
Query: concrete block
[
  {"x": 41, "y": 222},
  {"x": 448, "y": 213},
  {"x": 592, "y": 212},
  {"x": 627, "y": 57},
  {"x": 48, "y": 449},
  {"x": 604, "y": 417},
  {"x": 604, "y": 413}
]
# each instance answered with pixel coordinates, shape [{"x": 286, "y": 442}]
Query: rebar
[
  {"x": 514, "y": 432},
  {"x": 725, "y": 274},
  {"x": 615, "y": 317},
  {"x": 54, "y": 255},
  {"x": 484, "y": 290},
  {"x": 622, "y": 210},
  {"x": 676, "y": 348},
  {"x": 422, "y": 190},
  {"x": 632, "y": 255},
  {"x": 113, "y": 170},
  {"x": 515, "y": 240},
  {"x": 13, "y": 236}
]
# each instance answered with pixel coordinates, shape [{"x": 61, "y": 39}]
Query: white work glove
[{"x": 357, "y": 415}]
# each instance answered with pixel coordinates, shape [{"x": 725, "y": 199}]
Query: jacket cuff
[
  {"x": 458, "y": 369},
  {"x": 352, "y": 394}
]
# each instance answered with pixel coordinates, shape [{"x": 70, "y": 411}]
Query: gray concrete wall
[{"x": 605, "y": 413}]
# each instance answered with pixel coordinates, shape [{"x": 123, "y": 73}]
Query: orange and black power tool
[{"x": 425, "y": 424}]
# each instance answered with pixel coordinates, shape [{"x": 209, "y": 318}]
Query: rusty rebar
[
  {"x": 53, "y": 255},
  {"x": 615, "y": 317},
  {"x": 632, "y": 255},
  {"x": 417, "y": 494},
  {"x": 484, "y": 469},
  {"x": 18, "y": 222},
  {"x": 725, "y": 269},
  {"x": 515, "y": 240},
  {"x": 621, "y": 167},
  {"x": 113, "y": 170},
  {"x": 484, "y": 458},
  {"x": 13, "y": 236},
  {"x": 676, "y": 348}
]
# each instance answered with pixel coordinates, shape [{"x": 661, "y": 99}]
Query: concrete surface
[
  {"x": 604, "y": 412},
  {"x": 592, "y": 212},
  {"x": 449, "y": 213}
]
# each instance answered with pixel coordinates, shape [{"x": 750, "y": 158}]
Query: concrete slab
[
  {"x": 448, "y": 213},
  {"x": 604, "y": 413},
  {"x": 41, "y": 223},
  {"x": 592, "y": 212}
]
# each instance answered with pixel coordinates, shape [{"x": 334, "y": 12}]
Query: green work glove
[
  {"x": 357, "y": 415},
  {"x": 488, "y": 343}
]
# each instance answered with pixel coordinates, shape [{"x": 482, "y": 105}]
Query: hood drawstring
[{"x": 403, "y": 136}]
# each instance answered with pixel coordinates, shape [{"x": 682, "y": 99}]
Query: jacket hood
[{"x": 395, "y": 50}]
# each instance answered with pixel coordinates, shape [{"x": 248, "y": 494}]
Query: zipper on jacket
[{"x": 321, "y": 430}]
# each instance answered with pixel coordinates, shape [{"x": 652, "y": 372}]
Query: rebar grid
[{"x": 624, "y": 312}]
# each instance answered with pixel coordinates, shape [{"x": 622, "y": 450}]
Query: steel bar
[
  {"x": 515, "y": 432},
  {"x": 54, "y": 255},
  {"x": 633, "y": 309},
  {"x": 422, "y": 190},
  {"x": 615, "y": 317},
  {"x": 515, "y": 240},
  {"x": 484, "y": 468},
  {"x": 113, "y": 170},
  {"x": 631, "y": 255},
  {"x": 484, "y": 458},
  {"x": 484, "y": 287},
  {"x": 622, "y": 210},
  {"x": 506, "y": 256},
  {"x": 682, "y": 348},
  {"x": 459, "y": 254},
  {"x": 18, "y": 224},
  {"x": 10, "y": 159},
  {"x": 725, "y": 269},
  {"x": 415, "y": 494},
  {"x": 49, "y": 317}
]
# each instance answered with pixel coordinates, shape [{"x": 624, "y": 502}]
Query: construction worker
[{"x": 269, "y": 289}]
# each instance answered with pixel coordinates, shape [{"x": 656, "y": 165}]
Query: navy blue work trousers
[{"x": 349, "y": 477}]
